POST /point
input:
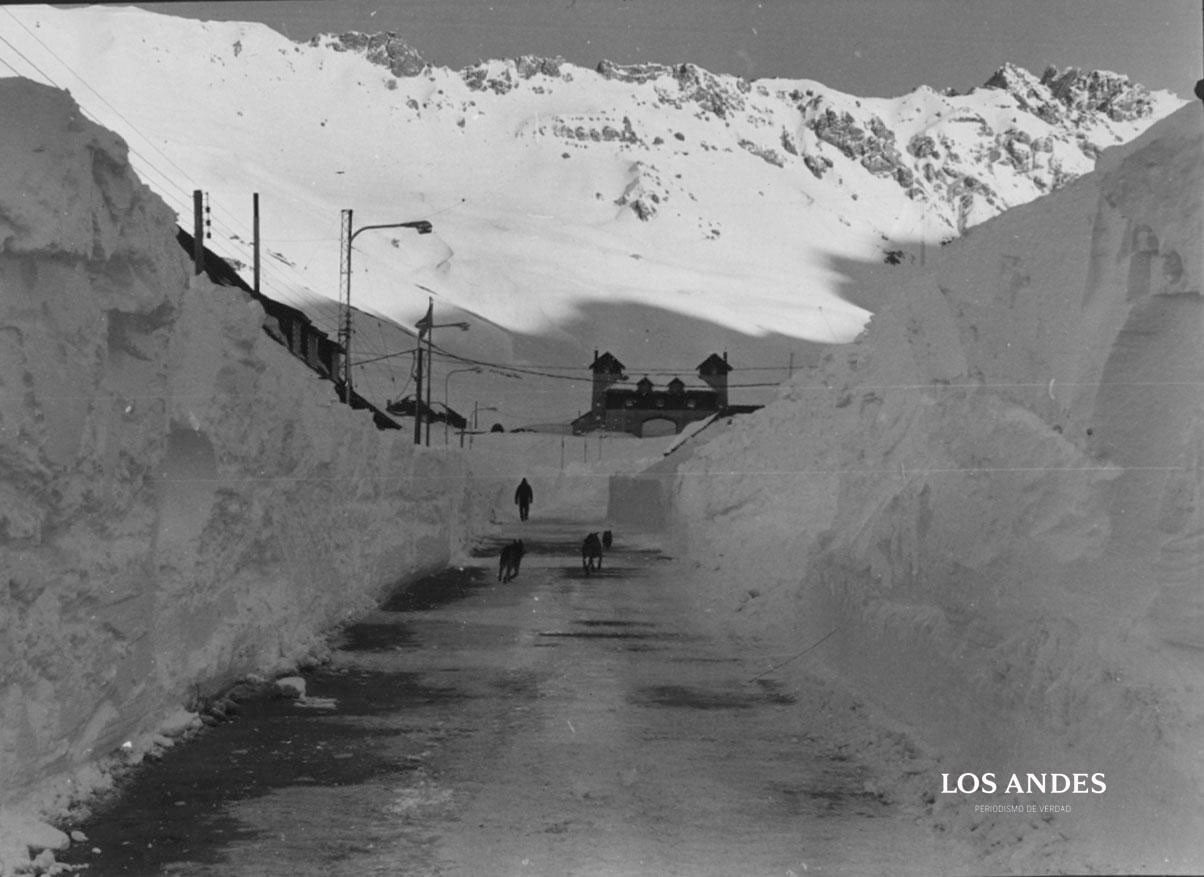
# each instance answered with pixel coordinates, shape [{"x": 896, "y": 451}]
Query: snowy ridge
[
  {"x": 1086, "y": 110},
  {"x": 556, "y": 188}
]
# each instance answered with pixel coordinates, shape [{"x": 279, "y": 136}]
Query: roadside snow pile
[
  {"x": 181, "y": 502},
  {"x": 993, "y": 498}
]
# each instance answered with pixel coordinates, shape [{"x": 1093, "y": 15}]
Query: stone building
[{"x": 645, "y": 410}]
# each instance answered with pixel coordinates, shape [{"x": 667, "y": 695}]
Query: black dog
[
  {"x": 591, "y": 553},
  {"x": 607, "y": 539},
  {"x": 512, "y": 556}
]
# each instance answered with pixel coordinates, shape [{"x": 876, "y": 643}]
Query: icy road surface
[{"x": 558, "y": 724}]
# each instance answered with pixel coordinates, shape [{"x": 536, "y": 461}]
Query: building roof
[
  {"x": 606, "y": 364},
  {"x": 714, "y": 365}
]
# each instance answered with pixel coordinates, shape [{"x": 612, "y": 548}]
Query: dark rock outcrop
[{"x": 386, "y": 49}]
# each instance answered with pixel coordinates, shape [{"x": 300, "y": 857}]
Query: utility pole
[
  {"x": 424, "y": 326},
  {"x": 255, "y": 236},
  {"x": 345, "y": 300},
  {"x": 198, "y": 230},
  {"x": 418, "y": 396},
  {"x": 428, "y": 325},
  {"x": 430, "y": 370},
  {"x": 447, "y": 401},
  {"x": 346, "y": 239}
]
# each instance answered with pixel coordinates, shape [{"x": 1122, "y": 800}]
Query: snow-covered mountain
[
  {"x": 661, "y": 212},
  {"x": 1033, "y": 128}
]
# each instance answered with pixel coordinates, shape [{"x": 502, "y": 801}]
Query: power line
[
  {"x": 92, "y": 117},
  {"x": 164, "y": 179},
  {"x": 11, "y": 67},
  {"x": 322, "y": 311},
  {"x": 102, "y": 98},
  {"x": 49, "y": 79},
  {"x": 537, "y": 372},
  {"x": 316, "y": 307}
]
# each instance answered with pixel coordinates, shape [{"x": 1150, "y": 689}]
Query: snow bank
[
  {"x": 994, "y": 498},
  {"x": 181, "y": 502}
]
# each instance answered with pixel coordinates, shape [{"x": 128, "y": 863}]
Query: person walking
[{"x": 523, "y": 497}]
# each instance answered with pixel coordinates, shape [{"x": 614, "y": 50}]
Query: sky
[{"x": 871, "y": 48}]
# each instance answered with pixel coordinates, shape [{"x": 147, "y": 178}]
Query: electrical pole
[
  {"x": 345, "y": 300},
  {"x": 418, "y": 396},
  {"x": 346, "y": 239},
  {"x": 424, "y": 326},
  {"x": 255, "y": 235},
  {"x": 198, "y": 230},
  {"x": 430, "y": 370}
]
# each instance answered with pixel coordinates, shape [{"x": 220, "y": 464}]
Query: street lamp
[
  {"x": 446, "y": 406},
  {"x": 346, "y": 236},
  {"x": 425, "y": 325},
  {"x": 475, "y": 408}
]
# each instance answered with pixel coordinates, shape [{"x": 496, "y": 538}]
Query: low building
[{"x": 405, "y": 408}]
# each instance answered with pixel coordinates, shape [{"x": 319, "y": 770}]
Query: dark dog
[
  {"x": 607, "y": 539},
  {"x": 512, "y": 556},
  {"x": 591, "y": 553}
]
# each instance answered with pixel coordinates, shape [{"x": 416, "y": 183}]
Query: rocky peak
[
  {"x": 1016, "y": 80},
  {"x": 720, "y": 96},
  {"x": 638, "y": 73},
  {"x": 1068, "y": 95},
  {"x": 533, "y": 65},
  {"x": 1098, "y": 91},
  {"x": 501, "y": 77},
  {"x": 387, "y": 49}
]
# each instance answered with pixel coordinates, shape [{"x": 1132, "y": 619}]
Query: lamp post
[
  {"x": 425, "y": 326},
  {"x": 475, "y": 408},
  {"x": 446, "y": 406},
  {"x": 346, "y": 236}
]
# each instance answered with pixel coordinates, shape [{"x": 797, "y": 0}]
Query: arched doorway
[{"x": 658, "y": 426}]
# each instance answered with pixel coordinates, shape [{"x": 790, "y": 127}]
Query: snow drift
[
  {"x": 994, "y": 499},
  {"x": 182, "y": 501}
]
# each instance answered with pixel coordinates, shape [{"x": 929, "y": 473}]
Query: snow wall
[
  {"x": 181, "y": 501},
  {"x": 993, "y": 498}
]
